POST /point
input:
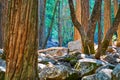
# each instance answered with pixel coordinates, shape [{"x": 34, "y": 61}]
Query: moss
[
  {"x": 74, "y": 76},
  {"x": 2, "y": 75}
]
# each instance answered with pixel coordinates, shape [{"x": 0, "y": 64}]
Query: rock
[
  {"x": 118, "y": 50},
  {"x": 88, "y": 66},
  {"x": 104, "y": 74},
  {"x": 1, "y": 51},
  {"x": 58, "y": 72},
  {"x": 110, "y": 59},
  {"x": 75, "y": 46},
  {"x": 2, "y": 69},
  {"x": 45, "y": 60},
  {"x": 116, "y": 73},
  {"x": 90, "y": 77}
]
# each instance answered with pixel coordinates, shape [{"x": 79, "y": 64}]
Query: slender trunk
[
  {"x": 41, "y": 24},
  {"x": 51, "y": 25},
  {"x": 99, "y": 31},
  {"x": 59, "y": 25},
  {"x": 92, "y": 24},
  {"x": 107, "y": 17},
  {"x": 21, "y": 36},
  {"x": 116, "y": 6}
]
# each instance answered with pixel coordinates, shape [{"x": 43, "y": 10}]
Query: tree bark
[
  {"x": 109, "y": 35},
  {"x": 1, "y": 28},
  {"x": 41, "y": 12},
  {"x": 21, "y": 35},
  {"x": 116, "y": 6},
  {"x": 87, "y": 39},
  {"x": 107, "y": 17},
  {"x": 92, "y": 24},
  {"x": 59, "y": 25}
]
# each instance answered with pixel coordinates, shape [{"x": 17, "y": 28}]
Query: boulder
[
  {"x": 116, "y": 73},
  {"x": 88, "y": 66},
  {"x": 2, "y": 69},
  {"x": 75, "y": 46},
  {"x": 90, "y": 77},
  {"x": 58, "y": 72},
  {"x": 104, "y": 74}
]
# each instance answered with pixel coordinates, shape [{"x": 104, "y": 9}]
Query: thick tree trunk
[
  {"x": 21, "y": 37},
  {"x": 109, "y": 35},
  {"x": 116, "y": 6},
  {"x": 1, "y": 29},
  {"x": 107, "y": 17}
]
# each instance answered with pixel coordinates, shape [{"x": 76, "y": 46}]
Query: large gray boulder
[
  {"x": 75, "y": 46},
  {"x": 58, "y": 72},
  {"x": 88, "y": 66}
]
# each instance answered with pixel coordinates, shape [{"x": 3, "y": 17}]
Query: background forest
[{"x": 62, "y": 20}]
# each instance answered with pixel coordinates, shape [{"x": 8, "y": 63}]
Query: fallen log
[{"x": 52, "y": 48}]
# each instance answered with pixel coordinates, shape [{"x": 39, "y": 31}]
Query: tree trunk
[
  {"x": 59, "y": 25},
  {"x": 116, "y": 6},
  {"x": 92, "y": 24},
  {"x": 107, "y": 17},
  {"x": 41, "y": 12},
  {"x": 21, "y": 36},
  {"x": 1, "y": 28},
  {"x": 108, "y": 36}
]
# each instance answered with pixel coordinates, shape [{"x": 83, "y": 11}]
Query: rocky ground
[{"x": 60, "y": 65}]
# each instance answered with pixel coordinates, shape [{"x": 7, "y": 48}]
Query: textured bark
[
  {"x": 79, "y": 27},
  {"x": 87, "y": 40},
  {"x": 116, "y": 6},
  {"x": 99, "y": 31},
  {"x": 41, "y": 12},
  {"x": 92, "y": 24},
  {"x": 59, "y": 25},
  {"x": 109, "y": 35},
  {"x": 1, "y": 30},
  {"x": 107, "y": 17},
  {"x": 21, "y": 40},
  {"x": 82, "y": 14}
]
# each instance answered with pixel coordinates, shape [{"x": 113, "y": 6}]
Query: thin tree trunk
[
  {"x": 41, "y": 12},
  {"x": 107, "y": 17},
  {"x": 51, "y": 25},
  {"x": 108, "y": 36},
  {"x": 116, "y": 6},
  {"x": 21, "y": 36},
  {"x": 78, "y": 16},
  {"x": 92, "y": 24},
  {"x": 99, "y": 31},
  {"x": 59, "y": 25}
]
